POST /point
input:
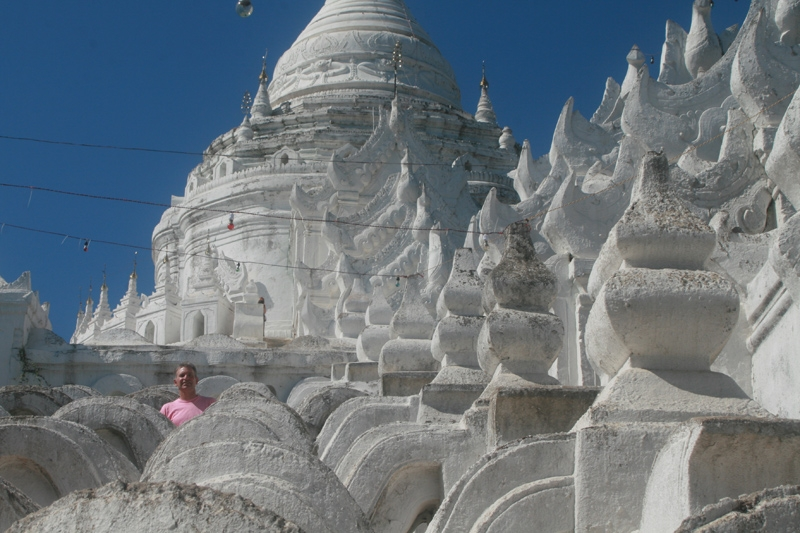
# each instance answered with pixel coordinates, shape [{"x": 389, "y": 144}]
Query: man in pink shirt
[{"x": 190, "y": 404}]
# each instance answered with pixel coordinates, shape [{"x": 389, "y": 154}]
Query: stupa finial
[
  {"x": 485, "y": 112},
  {"x": 261, "y": 104},
  {"x": 263, "y": 78},
  {"x": 133, "y": 274}
]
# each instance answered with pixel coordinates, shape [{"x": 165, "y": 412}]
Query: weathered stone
[
  {"x": 22, "y": 400},
  {"x": 77, "y": 391},
  {"x": 309, "y": 478},
  {"x": 156, "y": 396},
  {"x": 775, "y": 509},
  {"x": 691, "y": 473},
  {"x": 13, "y": 505},
  {"x": 317, "y": 407},
  {"x": 134, "y": 507},
  {"x": 132, "y": 428},
  {"x": 46, "y": 458},
  {"x": 213, "y": 386}
]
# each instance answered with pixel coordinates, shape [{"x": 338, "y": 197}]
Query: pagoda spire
[
  {"x": 261, "y": 105},
  {"x": 485, "y": 112},
  {"x": 103, "y": 311}
]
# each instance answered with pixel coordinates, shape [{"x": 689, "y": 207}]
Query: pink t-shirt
[{"x": 180, "y": 411}]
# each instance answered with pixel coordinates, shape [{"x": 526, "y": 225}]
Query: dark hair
[{"x": 186, "y": 364}]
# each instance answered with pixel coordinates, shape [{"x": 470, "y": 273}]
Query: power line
[
  {"x": 102, "y": 146},
  {"x": 188, "y": 254},
  {"x": 182, "y": 152},
  {"x": 541, "y": 213},
  {"x": 214, "y": 210}
]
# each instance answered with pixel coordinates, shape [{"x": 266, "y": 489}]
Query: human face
[{"x": 186, "y": 381}]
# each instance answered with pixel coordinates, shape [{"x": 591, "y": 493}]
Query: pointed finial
[
  {"x": 263, "y": 78},
  {"x": 484, "y": 81},
  {"x": 104, "y": 286},
  {"x": 133, "y": 274}
]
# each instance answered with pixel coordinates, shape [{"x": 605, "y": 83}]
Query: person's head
[
  {"x": 186, "y": 380},
  {"x": 261, "y": 300}
]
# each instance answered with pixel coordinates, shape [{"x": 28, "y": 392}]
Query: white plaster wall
[{"x": 776, "y": 367}]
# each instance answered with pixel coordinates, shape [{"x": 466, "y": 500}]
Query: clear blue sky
[{"x": 170, "y": 75}]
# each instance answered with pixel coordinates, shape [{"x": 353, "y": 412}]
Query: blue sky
[{"x": 170, "y": 75}]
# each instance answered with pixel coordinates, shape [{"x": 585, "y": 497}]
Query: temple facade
[{"x": 362, "y": 115}]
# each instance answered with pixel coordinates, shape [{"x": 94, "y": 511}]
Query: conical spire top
[
  {"x": 485, "y": 112},
  {"x": 261, "y": 104}
]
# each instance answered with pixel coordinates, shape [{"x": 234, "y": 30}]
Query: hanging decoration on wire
[
  {"x": 397, "y": 61},
  {"x": 230, "y": 222},
  {"x": 244, "y": 8},
  {"x": 247, "y": 103},
  {"x": 86, "y": 245}
]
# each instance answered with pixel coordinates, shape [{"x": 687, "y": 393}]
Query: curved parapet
[
  {"x": 77, "y": 392},
  {"x": 132, "y": 428},
  {"x": 376, "y": 468},
  {"x": 271, "y": 492},
  {"x": 22, "y": 400},
  {"x": 495, "y": 477},
  {"x": 155, "y": 396},
  {"x": 305, "y": 388},
  {"x": 248, "y": 389},
  {"x": 14, "y": 505},
  {"x": 309, "y": 480},
  {"x": 47, "y": 458},
  {"x": 215, "y": 385},
  {"x": 317, "y": 407},
  {"x": 117, "y": 384},
  {"x": 254, "y": 418},
  {"x": 357, "y": 416},
  {"x": 520, "y": 509},
  {"x": 136, "y": 507}
]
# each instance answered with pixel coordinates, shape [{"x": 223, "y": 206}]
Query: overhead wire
[{"x": 539, "y": 214}]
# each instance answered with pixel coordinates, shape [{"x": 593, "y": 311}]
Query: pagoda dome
[{"x": 347, "y": 48}]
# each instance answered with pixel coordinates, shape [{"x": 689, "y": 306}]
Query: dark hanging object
[
  {"x": 86, "y": 245},
  {"x": 397, "y": 282}
]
